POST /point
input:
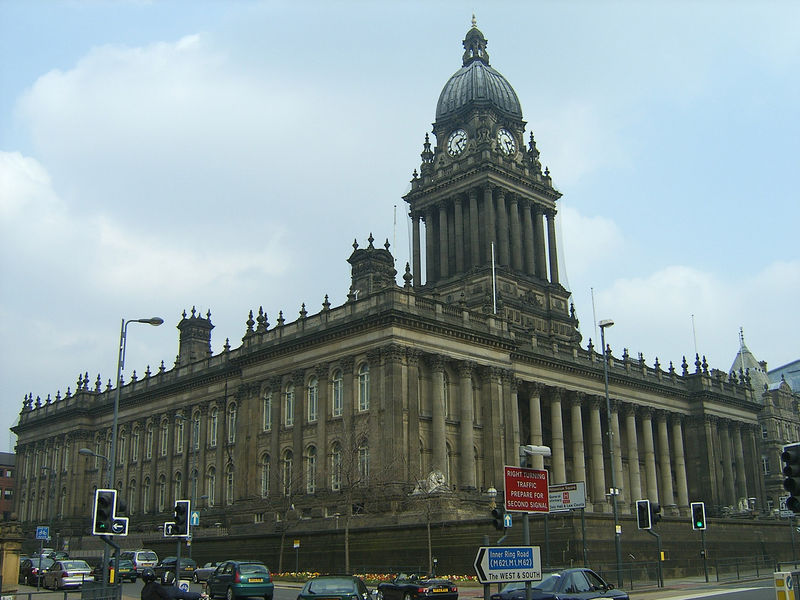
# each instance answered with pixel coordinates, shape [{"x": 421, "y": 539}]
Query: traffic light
[
  {"x": 655, "y": 513},
  {"x": 105, "y": 502},
  {"x": 181, "y": 518},
  {"x": 498, "y": 517},
  {"x": 643, "y": 514},
  {"x": 698, "y": 515},
  {"x": 791, "y": 459}
]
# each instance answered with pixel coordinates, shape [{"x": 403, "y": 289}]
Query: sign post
[{"x": 495, "y": 564}]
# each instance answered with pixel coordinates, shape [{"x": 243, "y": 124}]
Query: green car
[
  {"x": 240, "y": 579},
  {"x": 334, "y": 587}
]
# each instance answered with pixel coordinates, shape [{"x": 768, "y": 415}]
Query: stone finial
[
  {"x": 281, "y": 320},
  {"x": 250, "y": 322},
  {"x": 98, "y": 383},
  {"x": 162, "y": 368},
  {"x": 147, "y": 372},
  {"x": 408, "y": 278},
  {"x": 326, "y": 305},
  {"x": 685, "y": 366},
  {"x": 227, "y": 346},
  {"x": 697, "y": 363},
  {"x": 303, "y": 311}
]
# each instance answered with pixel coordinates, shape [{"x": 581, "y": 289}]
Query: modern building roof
[{"x": 789, "y": 372}]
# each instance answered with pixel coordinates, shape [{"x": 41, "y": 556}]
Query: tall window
[
  {"x": 135, "y": 445},
  {"x": 178, "y": 436},
  {"x": 311, "y": 470},
  {"x": 211, "y": 486},
  {"x": 196, "y": 431},
  {"x": 194, "y": 493},
  {"x": 337, "y": 404},
  {"x": 336, "y": 467},
  {"x": 229, "y": 485},
  {"x": 148, "y": 442},
  {"x": 363, "y": 462},
  {"x": 121, "y": 448},
  {"x": 146, "y": 495},
  {"x": 65, "y": 459},
  {"x": 213, "y": 417},
  {"x": 231, "y": 425},
  {"x": 267, "y": 409},
  {"x": 177, "y": 488},
  {"x": 265, "y": 476},
  {"x": 288, "y": 460},
  {"x": 313, "y": 388},
  {"x": 132, "y": 497},
  {"x": 162, "y": 493},
  {"x": 289, "y": 406},
  {"x": 363, "y": 387},
  {"x": 164, "y": 438}
]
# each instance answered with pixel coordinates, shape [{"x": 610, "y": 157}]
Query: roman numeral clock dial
[
  {"x": 506, "y": 143},
  {"x": 456, "y": 142}
]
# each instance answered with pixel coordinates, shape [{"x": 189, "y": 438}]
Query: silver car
[{"x": 66, "y": 573}]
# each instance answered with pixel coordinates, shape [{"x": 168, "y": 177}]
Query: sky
[{"x": 160, "y": 156}]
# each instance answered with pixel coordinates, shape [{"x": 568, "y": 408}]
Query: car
[
  {"x": 569, "y": 584},
  {"x": 411, "y": 586},
  {"x": 187, "y": 569},
  {"x": 66, "y": 573},
  {"x": 240, "y": 579},
  {"x": 334, "y": 587},
  {"x": 202, "y": 573},
  {"x": 29, "y": 569},
  {"x": 140, "y": 558},
  {"x": 126, "y": 571}
]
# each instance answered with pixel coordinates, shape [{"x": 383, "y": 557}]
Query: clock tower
[{"x": 483, "y": 211}]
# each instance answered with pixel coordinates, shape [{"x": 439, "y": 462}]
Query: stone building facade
[{"x": 341, "y": 413}]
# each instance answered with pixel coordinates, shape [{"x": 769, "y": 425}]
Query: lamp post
[
  {"x": 617, "y": 529},
  {"x": 529, "y": 450},
  {"x": 51, "y": 475}
]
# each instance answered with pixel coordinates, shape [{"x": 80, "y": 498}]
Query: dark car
[
  {"x": 202, "y": 573},
  {"x": 126, "y": 571},
  {"x": 569, "y": 584},
  {"x": 188, "y": 567},
  {"x": 410, "y": 586},
  {"x": 29, "y": 569},
  {"x": 334, "y": 587},
  {"x": 240, "y": 579}
]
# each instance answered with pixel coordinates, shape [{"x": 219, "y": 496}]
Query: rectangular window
[
  {"x": 267, "y": 412},
  {"x": 765, "y": 465},
  {"x": 764, "y": 434},
  {"x": 312, "y": 402},
  {"x": 337, "y": 396}
]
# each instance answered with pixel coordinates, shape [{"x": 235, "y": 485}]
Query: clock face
[
  {"x": 506, "y": 143},
  {"x": 456, "y": 142}
]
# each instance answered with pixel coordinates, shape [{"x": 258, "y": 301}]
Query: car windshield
[
  {"x": 46, "y": 562},
  {"x": 252, "y": 568},
  {"x": 331, "y": 585},
  {"x": 148, "y": 556},
  {"x": 548, "y": 583}
]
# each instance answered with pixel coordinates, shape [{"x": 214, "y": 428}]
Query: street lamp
[
  {"x": 529, "y": 450},
  {"x": 617, "y": 529}
]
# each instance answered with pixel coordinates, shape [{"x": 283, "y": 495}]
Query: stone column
[
  {"x": 458, "y": 217},
  {"x": 389, "y": 411},
  {"x": 633, "y": 454},
  {"x": 529, "y": 252},
  {"x": 535, "y": 419},
  {"x": 516, "y": 234},
  {"x": 349, "y": 402},
  {"x": 738, "y": 449},
  {"x": 727, "y": 463},
  {"x": 680, "y": 461},
  {"x": 511, "y": 407},
  {"x": 557, "y": 427},
  {"x": 576, "y": 430},
  {"x": 467, "y": 437},
  {"x": 538, "y": 228},
  {"x": 667, "y": 496},
  {"x": 322, "y": 371},
  {"x": 712, "y": 466},
  {"x": 417, "y": 258},
  {"x": 599, "y": 498},
  {"x": 551, "y": 245},
  {"x": 444, "y": 259},
  {"x": 490, "y": 231},
  {"x": 414, "y": 466},
  {"x": 502, "y": 228},
  {"x": 623, "y": 495},
  {"x": 430, "y": 246},
  {"x": 438, "y": 439},
  {"x": 649, "y": 455},
  {"x": 474, "y": 229}
]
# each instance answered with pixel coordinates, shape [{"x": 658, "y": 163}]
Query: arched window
[
  {"x": 336, "y": 467},
  {"x": 177, "y": 488},
  {"x": 132, "y": 497},
  {"x": 289, "y": 406},
  {"x": 65, "y": 458},
  {"x": 288, "y": 460},
  {"x": 229, "y": 485},
  {"x": 62, "y": 503},
  {"x": 267, "y": 423},
  {"x": 363, "y": 462},
  {"x": 313, "y": 389},
  {"x": 164, "y": 438},
  {"x": 211, "y": 486},
  {"x": 179, "y": 435},
  {"x": 363, "y": 387},
  {"x": 135, "y": 445},
  {"x": 337, "y": 397},
  {"x": 231, "y": 425},
  {"x": 196, "y": 431},
  {"x": 121, "y": 448},
  {"x": 162, "y": 493},
  {"x": 311, "y": 470},
  {"x": 265, "y": 464},
  {"x": 146, "y": 496},
  {"x": 212, "y": 427},
  {"x": 148, "y": 442}
]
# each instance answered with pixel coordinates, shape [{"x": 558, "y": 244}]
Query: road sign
[
  {"x": 526, "y": 490},
  {"x": 507, "y": 521},
  {"x": 567, "y": 496},
  {"x": 508, "y": 563},
  {"x": 183, "y": 584},
  {"x": 42, "y": 532},
  {"x": 194, "y": 521},
  {"x": 119, "y": 526}
]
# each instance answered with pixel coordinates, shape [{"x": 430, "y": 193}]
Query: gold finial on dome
[{"x": 474, "y": 21}]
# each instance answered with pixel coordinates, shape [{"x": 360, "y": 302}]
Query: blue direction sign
[
  {"x": 194, "y": 520},
  {"x": 507, "y": 521},
  {"x": 42, "y": 532},
  {"x": 508, "y": 563}
]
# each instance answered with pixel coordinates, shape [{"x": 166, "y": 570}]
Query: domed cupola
[{"x": 476, "y": 84}]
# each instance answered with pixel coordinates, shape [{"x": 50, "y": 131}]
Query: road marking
[{"x": 704, "y": 594}]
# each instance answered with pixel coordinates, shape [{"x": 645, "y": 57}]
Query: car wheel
[
  {"x": 379, "y": 594},
  {"x": 407, "y": 596},
  {"x": 229, "y": 595},
  {"x": 194, "y": 578}
]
